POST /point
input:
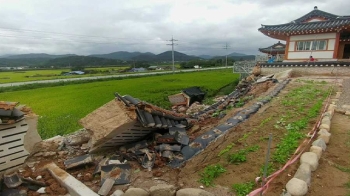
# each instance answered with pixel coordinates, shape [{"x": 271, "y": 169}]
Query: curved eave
[
  {"x": 304, "y": 28},
  {"x": 272, "y": 51},
  {"x": 278, "y": 34}
]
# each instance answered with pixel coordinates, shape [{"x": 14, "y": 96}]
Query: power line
[{"x": 172, "y": 47}]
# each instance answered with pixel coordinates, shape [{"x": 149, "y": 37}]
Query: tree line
[{"x": 207, "y": 63}]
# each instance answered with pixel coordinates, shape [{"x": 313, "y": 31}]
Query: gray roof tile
[{"x": 332, "y": 22}]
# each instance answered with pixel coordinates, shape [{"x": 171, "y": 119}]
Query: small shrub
[
  {"x": 210, "y": 173},
  {"x": 238, "y": 157},
  {"x": 241, "y": 155},
  {"x": 228, "y": 148},
  {"x": 243, "y": 189}
]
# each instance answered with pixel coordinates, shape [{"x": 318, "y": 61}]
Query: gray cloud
[{"x": 201, "y": 26}]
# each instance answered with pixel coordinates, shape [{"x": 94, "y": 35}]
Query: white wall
[
  {"x": 330, "y": 37},
  {"x": 306, "y": 55},
  {"x": 331, "y": 44},
  {"x": 291, "y": 46}
]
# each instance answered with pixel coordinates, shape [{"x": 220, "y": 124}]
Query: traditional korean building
[
  {"x": 320, "y": 34},
  {"x": 275, "y": 49},
  {"x": 278, "y": 50}
]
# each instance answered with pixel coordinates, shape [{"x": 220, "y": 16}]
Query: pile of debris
[
  {"x": 187, "y": 97},
  {"x": 126, "y": 120},
  {"x": 9, "y": 114},
  {"x": 18, "y": 134}
]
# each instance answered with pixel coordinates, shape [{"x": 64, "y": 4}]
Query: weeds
[
  {"x": 239, "y": 103},
  {"x": 243, "y": 189},
  {"x": 228, "y": 148},
  {"x": 265, "y": 121},
  {"x": 245, "y": 136},
  {"x": 343, "y": 169},
  {"x": 297, "y": 98},
  {"x": 210, "y": 173},
  {"x": 270, "y": 169},
  {"x": 241, "y": 155}
]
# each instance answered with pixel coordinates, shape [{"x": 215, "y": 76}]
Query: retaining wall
[
  {"x": 340, "y": 68},
  {"x": 340, "y": 71}
]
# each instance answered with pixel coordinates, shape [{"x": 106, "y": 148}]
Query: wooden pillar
[{"x": 336, "y": 45}]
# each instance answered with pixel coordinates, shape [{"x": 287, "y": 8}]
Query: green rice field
[{"x": 61, "y": 107}]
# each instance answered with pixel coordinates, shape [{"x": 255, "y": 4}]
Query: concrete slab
[
  {"x": 74, "y": 186},
  {"x": 32, "y": 136}
]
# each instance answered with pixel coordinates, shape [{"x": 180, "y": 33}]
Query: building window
[{"x": 311, "y": 45}]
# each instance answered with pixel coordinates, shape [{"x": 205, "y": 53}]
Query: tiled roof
[
  {"x": 316, "y": 13},
  {"x": 334, "y": 24},
  {"x": 274, "y": 48},
  {"x": 331, "y": 23},
  {"x": 152, "y": 116}
]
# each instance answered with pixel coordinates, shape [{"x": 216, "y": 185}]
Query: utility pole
[
  {"x": 172, "y": 48},
  {"x": 226, "y": 47}
]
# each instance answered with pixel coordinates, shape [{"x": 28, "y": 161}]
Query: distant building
[
  {"x": 278, "y": 50},
  {"x": 320, "y": 34},
  {"x": 141, "y": 69},
  {"x": 153, "y": 67},
  {"x": 74, "y": 73},
  {"x": 77, "y": 72}
]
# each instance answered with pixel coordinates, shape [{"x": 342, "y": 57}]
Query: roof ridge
[
  {"x": 316, "y": 22},
  {"x": 316, "y": 13}
]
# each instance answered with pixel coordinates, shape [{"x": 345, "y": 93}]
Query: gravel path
[{"x": 344, "y": 98}]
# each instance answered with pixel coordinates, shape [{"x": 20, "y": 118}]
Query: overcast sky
[{"x": 105, "y": 26}]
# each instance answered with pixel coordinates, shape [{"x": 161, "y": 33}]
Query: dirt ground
[
  {"x": 328, "y": 179},
  {"x": 252, "y": 132},
  {"x": 248, "y": 133}
]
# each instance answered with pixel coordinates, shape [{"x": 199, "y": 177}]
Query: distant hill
[
  {"x": 36, "y": 56},
  {"x": 234, "y": 54},
  {"x": 32, "y": 62},
  {"x": 237, "y": 54},
  {"x": 205, "y": 56},
  {"x": 167, "y": 56},
  {"x": 237, "y": 58},
  {"x": 115, "y": 58},
  {"x": 81, "y": 61},
  {"x": 121, "y": 55},
  {"x": 145, "y": 57}
]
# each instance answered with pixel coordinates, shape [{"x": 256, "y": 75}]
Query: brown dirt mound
[{"x": 257, "y": 89}]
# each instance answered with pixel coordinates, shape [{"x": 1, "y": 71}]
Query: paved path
[{"x": 103, "y": 77}]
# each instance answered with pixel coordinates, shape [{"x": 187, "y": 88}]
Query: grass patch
[
  {"x": 243, "y": 189},
  {"x": 241, "y": 155},
  {"x": 228, "y": 89},
  {"x": 210, "y": 173},
  {"x": 61, "y": 107},
  {"x": 227, "y": 149},
  {"x": 296, "y": 101},
  {"x": 342, "y": 168}
]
